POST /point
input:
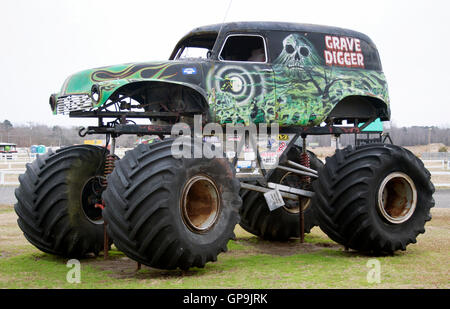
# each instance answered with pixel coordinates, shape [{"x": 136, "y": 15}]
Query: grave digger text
[{"x": 238, "y": 298}]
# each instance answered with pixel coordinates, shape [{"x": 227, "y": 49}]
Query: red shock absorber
[
  {"x": 305, "y": 161},
  {"x": 109, "y": 167},
  {"x": 110, "y": 161},
  {"x": 306, "y": 183}
]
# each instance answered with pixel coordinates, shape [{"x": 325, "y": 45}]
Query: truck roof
[{"x": 279, "y": 26}]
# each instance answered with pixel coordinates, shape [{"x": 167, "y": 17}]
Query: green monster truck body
[
  {"x": 305, "y": 73},
  {"x": 170, "y": 211}
]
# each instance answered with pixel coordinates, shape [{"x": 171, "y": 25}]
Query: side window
[{"x": 244, "y": 48}]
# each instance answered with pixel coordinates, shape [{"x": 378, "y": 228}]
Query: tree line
[
  {"x": 41, "y": 134},
  {"x": 403, "y": 136},
  {"x": 56, "y": 136}
]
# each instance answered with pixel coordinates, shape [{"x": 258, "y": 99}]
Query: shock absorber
[
  {"x": 306, "y": 182},
  {"x": 305, "y": 161},
  {"x": 110, "y": 161}
]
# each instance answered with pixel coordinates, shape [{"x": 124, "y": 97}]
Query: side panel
[
  {"x": 241, "y": 92},
  {"x": 314, "y": 71}
]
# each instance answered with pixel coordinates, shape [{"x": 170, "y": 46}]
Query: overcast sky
[{"x": 42, "y": 42}]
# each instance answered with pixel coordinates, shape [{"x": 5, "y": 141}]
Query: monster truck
[{"x": 167, "y": 211}]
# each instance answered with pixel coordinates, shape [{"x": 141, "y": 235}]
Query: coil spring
[
  {"x": 305, "y": 161},
  {"x": 109, "y": 167}
]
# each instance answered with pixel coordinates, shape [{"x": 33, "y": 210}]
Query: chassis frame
[{"x": 121, "y": 126}]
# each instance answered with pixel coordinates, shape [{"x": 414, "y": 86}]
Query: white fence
[
  {"x": 5, "y": 181},
  {"x": 439, "y": 164},
  {"x": 442, "y": 166},
  {"x": 16, "y": 158},
  {"x": 436, "y": 156},
  {"x": 14, "y": 165}
]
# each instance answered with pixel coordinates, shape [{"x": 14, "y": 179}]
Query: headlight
[{"x": 95, "y": 93}]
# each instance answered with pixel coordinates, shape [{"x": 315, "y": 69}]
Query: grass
[{"x": 249, "y": 263}]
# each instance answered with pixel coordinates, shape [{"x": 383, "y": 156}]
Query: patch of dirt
[
  {"x": 438, "y": 179},
  {"x": 118, "y": 267},
  {"x": 440, "y": 217},
  {"x": 284, "y": 248},
  {"x": 124, "y": 267},
  {"x": 419, "y": 149},
  {"x": 11, "y": 237},
  {"x": 6, "y": 208},
  {"x": 5, "y": 254}
]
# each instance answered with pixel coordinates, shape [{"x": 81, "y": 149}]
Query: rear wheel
[
  {"x": 375, "y": 198},
  {"x": 282, "y": 223},
  {"x": 166, "y": 212},
  {"x": 56, "y": 201}
]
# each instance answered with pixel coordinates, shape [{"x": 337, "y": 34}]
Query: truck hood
[{"x": 110, "y": 78}]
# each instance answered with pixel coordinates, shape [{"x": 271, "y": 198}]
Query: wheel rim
[
  {"x": 200, "y": 204},
  {"x": 293, "y": 180},
  {"x": 91, "y": 195},
  {"x": 397, "y": 198}
]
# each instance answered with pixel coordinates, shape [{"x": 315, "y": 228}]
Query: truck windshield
[
  {"x": 195, "y": 46},
  {"x": 193, "y": 52}
]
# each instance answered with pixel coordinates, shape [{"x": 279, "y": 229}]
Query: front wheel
[
  {"x": 168, "y": 212},
  {"x": 374, "y": 198}
]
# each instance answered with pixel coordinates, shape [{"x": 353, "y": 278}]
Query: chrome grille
[{"x": 74, "y": 102}]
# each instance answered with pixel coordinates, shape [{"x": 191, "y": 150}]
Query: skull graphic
[{"x": 297, "y": 52}]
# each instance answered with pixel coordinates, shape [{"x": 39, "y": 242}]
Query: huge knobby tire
[
  {"x": 168, "y": 212},
  {"x": 50, "y": 203},
  {"x": 365, "y": 198},
  {"x": 282, "y": 223}
]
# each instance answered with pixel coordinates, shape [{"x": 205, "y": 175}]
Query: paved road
[
  {"x": 441, "y": 197},
  {"x": 7, "y": 195}
]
